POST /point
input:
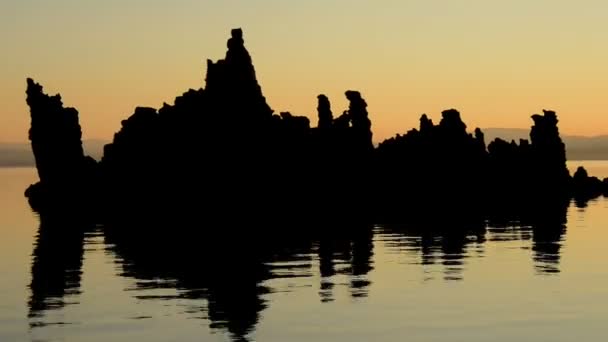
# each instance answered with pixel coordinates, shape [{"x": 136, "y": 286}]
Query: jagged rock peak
[
  {"x": 236, "y": 38},
  {"x": 55, "y": 135},
  {"x": 33, "y": 87},
  {"x": 355, "y": 98},
  {"x": 232, "y": 83},
  {"x": 545, "y": 127},
  {"x": 450, "y": 119},
  {"x": 35, "y": 94},
  {"x": 360, "y": 122},
  {"x": 550, "y": 117},
  {"x": 451, "y": 115},
  {"x": 49, "y": 118},
  {"x": 324, "y": 110},
  {"x": 426, "y": 124},
  {"x": 236, "y": 48},
  {"x": 479, "y": 134},
  {"x": 581, "y": 173},
  {"x": 357, "y": 109}
]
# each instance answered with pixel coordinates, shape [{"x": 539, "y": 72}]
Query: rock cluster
[{"x": 221, "y": 150}]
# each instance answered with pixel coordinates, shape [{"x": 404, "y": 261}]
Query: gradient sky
[{"x": 497, "y": 62}]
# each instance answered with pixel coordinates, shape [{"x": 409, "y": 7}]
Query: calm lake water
[{"x": 507, "y": 282}]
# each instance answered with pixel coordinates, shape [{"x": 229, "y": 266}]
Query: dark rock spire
[
  {"x": 451, "y": 123},
  {"x": 360, "y": 123},
  {"x": 324, "y": 110},
  {"x": 480, "y": 139},
  {"x": 66, "y": 175},
  {"x": 55, "y": 136},
  {"x": 232, "y": 85},
  {"x": 549, "y": 154},
  {"x": 426, "y": 124}
]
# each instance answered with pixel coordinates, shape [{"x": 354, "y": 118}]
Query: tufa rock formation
[
  {"x": 55, "y": 135},
  {"x": 221, "y": 152},
  {"x": 326, "y": 118}
]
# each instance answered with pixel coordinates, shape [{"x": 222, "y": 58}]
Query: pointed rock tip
[
  {"x": 32, "y": 86},
  {"x": 352, "y": 95},
  {"x": 237, "y": 33},
  {"x": 236, "y": 40},
  {"x": 451, "y": 111},
  {"x": 31, "y": 83}
]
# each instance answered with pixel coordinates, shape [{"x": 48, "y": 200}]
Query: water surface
[{"x": 539, "y": 281}]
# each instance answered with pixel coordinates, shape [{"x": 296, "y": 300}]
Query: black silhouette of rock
[
  {"x": 326, "y": 118},
  {"x": 435, "y": 163},
  {"x": 66, "y": 175},
  {"x": 231, "y": 83},
  {"x": 548, "y": 156},
  {"x": 585, "y": 187},
  {"x": 218, "y": 182},
  {"x": 221, "y": 150},
  {"x": 360, "y": 123}
]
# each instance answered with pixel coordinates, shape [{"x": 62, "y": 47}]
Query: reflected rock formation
[
  {"x": 56, "y": 268},
  {"x": 232, "y": 273},
  {"x": 221, "y": 154},
  {"x": 345, "y": 251},
  {"x": 439, "y": 244},
  {"x": 548, "y": 230},
  {"x": 447, "y": 244}
]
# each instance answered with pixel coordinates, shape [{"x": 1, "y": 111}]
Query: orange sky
[{"x": 498, "y": 62}]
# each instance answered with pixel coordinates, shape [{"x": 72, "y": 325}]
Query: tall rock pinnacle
[
  {"x": 549, "y": 152},
  {"x": 324, "y": 111},
  {"x": 232, "y": 82},
  {"x": 359, "y": 119},
  {"x": 66, "y": 175},
  {"x": 55, "y": 135}
]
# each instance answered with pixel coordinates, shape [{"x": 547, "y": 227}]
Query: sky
[{"x": 498, "y": 62}]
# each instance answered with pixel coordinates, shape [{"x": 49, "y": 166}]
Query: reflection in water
[
  {"x": 56, "y": 268},
  {"x": 547, "y": 234},
  {"x": 232, "y": 270},
  {"x": 346, "y": 251},
  {"x": 444, "y": 244},
  {"x": 546, "y": 228}
]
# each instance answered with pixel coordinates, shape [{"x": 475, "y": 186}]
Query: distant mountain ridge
[
  {"x": 577, "y": 147},
  {"x": 20, "y": 154}
]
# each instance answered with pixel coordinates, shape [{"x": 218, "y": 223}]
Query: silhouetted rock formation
[
  {"x": 224, "y": 145},
  {"x": 548, "y": 168},
  {"x": 174, "y": 181},
  {"x": 437, "y": 163},
  {"x": 221, "y": 150},
  {"x": 66, "y": 175},
  {"x": 326, "y": 118},
  {"x": 585, "y": 187},
  {"x": 56, "y": 267},
  {"x": 232, "y": 86},
  {"x": 531, "y": 173},
  {"x": 360, "y": 123}
]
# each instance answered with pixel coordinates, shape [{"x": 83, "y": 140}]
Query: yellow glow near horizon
[{"x": 496, "y": 62}]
